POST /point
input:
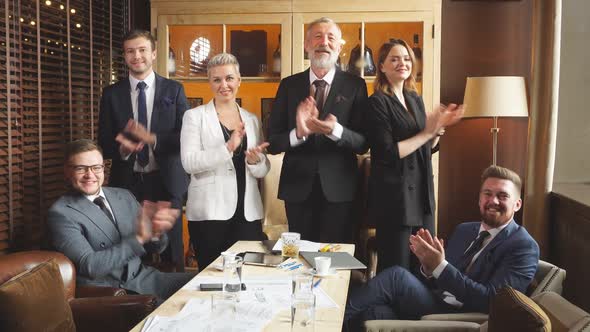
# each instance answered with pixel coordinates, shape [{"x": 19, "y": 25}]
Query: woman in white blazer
[{"x": 221, "y": 147}]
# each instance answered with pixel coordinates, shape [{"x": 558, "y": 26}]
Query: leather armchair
[
  {"x": 93, "y": 308},
  {"x": 548, "y": 278},
  {"x": 564, "y": 316}
]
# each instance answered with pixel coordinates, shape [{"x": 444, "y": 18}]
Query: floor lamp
[{"x": 495, "y": 96}]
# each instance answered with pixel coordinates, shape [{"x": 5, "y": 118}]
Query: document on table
[
  {"x": 304, "y": 245},
  {"x": 264, "y": 297}
]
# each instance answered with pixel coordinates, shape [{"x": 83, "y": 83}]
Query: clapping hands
[
  {"x": 429, "y": 250},
  {"x": 133, "y": 137},
  {"x": 252, "y": 154},
  {"x": 154, "y": 220},
  {"x": 443, "y": 116},
  {"x": 308, "y": 122}
]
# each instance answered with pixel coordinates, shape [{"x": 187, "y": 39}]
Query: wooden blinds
[{"x": 55, "y": 58}]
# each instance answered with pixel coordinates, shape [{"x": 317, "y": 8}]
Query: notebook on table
[{"x": 340, "y": 260}]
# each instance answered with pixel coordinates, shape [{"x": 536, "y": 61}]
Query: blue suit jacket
[
  {"x": 169, "y": 106},
  {"x": 511, "y": 258}
]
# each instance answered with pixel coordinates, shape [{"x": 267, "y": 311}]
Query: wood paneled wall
[
  {"x": 55, "y": 58},
  {"x": 569, "y": 234},
  {"x": 479, "y": 38}
]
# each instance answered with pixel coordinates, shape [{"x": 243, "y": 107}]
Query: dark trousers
[
  {"x": 393, "y": 244},
  {"x": 211, "y": 237},
  {"x": 394, "y": 293},
  {"x": 320, "y": 220},
  {"x": 150, "y": 186}
]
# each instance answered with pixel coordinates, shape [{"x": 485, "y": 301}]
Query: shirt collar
[
  {"x": 149, "y": 81},
  {"x": 93, "y": 197},
  {"x": 493, "y": 231},
  {"x": 329, "y": 77}
]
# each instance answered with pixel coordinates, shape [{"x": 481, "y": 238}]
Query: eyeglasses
[{"x": 82, "y": 169}]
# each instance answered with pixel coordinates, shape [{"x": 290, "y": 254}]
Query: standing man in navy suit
[
  {"x": 480, "y": 258},
  {"x": 139, "y": 130},
  {"x": 316, "y": 121}
]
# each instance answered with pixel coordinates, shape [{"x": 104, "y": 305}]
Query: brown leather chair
[{"x": 93, "y": 308}]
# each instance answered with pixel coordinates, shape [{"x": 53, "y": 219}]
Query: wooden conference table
[{"x": 326, "y": 319}]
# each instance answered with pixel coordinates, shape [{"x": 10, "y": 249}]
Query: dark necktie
[
  {"x": 100, "y": 202},
  {"x": 143, "y": 157},
  {"x": 472, "y": 250},
  {"x": 320, "y": 93}
]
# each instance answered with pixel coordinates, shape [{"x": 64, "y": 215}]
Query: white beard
[{"x": 322, "y": 61}]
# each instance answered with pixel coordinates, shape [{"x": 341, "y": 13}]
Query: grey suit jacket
[{"x": 103, "y": 255}]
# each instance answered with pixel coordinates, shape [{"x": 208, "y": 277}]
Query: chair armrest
[
  {"x": 97, "y": 291},
  {"x": 419, "y": 326},
  {"x": 111, "y": 313},
  {"x": 474, "y": 317}
]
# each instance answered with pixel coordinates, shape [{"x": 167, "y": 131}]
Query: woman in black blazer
[{"x": 402, "y": 136}]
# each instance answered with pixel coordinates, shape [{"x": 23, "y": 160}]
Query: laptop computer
[{"x": 340, "y": 260}]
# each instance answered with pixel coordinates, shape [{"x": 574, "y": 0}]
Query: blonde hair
[
  {"x": 381, "y": 82},
  {"x": 223, "y": 59}
]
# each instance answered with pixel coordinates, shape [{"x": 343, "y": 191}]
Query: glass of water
[
  {"x": 302, "y": 312},
  {"x": 232, "y": 274}
]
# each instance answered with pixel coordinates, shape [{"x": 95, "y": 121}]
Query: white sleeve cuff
[
  {"x": 440, "y": 268},
  {"x": 294, "y": 140},
  {"x": 124, "y": 156},
  {"x": 336, "y": 134}
]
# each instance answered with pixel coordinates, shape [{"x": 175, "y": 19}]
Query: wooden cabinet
[{"x": 196, "y": 30}]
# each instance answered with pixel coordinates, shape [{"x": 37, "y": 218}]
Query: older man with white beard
[{"x": 317, "y": 121}]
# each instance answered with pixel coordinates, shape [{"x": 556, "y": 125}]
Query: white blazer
[{"x": 212, "y": 193}]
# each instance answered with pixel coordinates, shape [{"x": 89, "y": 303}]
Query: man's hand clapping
[
  {"x": 429, "y": 250},
  {"x": 154, "y": 220},
  {"x": 306, "y": 110}
]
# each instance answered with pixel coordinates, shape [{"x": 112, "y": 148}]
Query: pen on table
[
  {"x": 295, "y": 267},
  {"x": 317, "y": 283}
]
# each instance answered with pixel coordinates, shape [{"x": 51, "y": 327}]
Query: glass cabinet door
[
  {"x": 364, "y": 33},
  {"x": 261, "y": 43}
]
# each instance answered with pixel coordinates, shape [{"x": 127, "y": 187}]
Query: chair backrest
[
  {"x": 275, "y": 219},
  {"x": 14, "y": 264},
  {"x": 549, "y": 278},
  {"x": 564, "y": 315}
]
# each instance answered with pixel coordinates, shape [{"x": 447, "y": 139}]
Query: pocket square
[
  {"x": 167, "y": 101},
  {"x": 340, "y": 98}
]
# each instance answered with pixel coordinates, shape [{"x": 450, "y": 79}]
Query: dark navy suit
[
  {"x": 171, "y": 181},
  {"x": 510, "y": 259}
]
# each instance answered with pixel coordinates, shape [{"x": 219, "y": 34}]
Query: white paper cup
[{"x": 322, "y": 265}]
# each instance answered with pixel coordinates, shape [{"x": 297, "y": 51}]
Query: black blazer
[
  {"x": 401, "y": 189},
  {"x": 169, "y": 106},
  {"x": 335, "y": 162}
]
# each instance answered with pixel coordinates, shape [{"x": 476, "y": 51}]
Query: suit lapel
[
  {"x": 95, "y": 216},
  {"x": 158, "y": 90},
  {"x": 413, "y": 105},
  {"x": 482, "y": 260},
  {"x": 335, "y": 90},
  {"x": 124, "y": 99},
  {"x": 119, "y": 210}
]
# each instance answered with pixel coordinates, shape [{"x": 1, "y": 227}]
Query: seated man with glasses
[{"x": 104, "y": 231}]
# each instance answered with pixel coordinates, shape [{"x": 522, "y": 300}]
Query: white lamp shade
[{"x": 495, "y": 96}]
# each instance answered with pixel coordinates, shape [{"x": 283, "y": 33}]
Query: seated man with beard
[{"x": 479, "y": 259}]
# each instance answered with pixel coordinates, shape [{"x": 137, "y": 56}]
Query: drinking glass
[
  {"x": 290, "y": 244},
  {"x": 302, "y": 312},
  {"x": 232, "y": 274},
  {"x": 223, "y": 305},
  {"x": 302, "y": 281}
]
